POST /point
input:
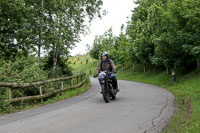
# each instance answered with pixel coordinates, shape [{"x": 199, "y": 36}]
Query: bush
[
  {"x": 62, "y": 68},
  {"x": 20, "y": 70},
  {"x": 4, "y": 106}
]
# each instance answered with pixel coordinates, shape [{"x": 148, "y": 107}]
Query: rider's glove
[{"x": 95, "y": 75}]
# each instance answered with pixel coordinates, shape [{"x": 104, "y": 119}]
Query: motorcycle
[{"x": 108, "y": 91}]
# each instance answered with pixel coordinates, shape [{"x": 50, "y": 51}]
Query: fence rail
[
  {"x": 39, "y": 85},
  {"x": 26, "y": 85}
]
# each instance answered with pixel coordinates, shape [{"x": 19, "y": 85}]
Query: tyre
[
  {"x": 113, "y": 97},
  {"x": 106, "y": 97},
  {"x": 105, "y": 94}
]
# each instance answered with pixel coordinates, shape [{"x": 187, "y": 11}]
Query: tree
[
  {"x": 190, "y": 33},
  {"x": 122, "y": 48},
  {"x": 15, "y": 28},
  {"x": 53, "y": 26},
  {"x": 140, "y": 34},
  {"x": 160, "y": 33},
  {"x": 96, "y": 49}
]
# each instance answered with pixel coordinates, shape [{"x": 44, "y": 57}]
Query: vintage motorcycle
[{"x": 108, "y": 91}]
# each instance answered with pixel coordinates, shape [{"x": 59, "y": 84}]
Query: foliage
[
  {"x": 160, "y": 33},
  {"x": 21, "y": 70},
  {"x": 4, "y": 106},
  {"x": 32, "y": 23},
  {"x": 62, "y": 68},
  {"x": 40, "y": 25},
  {"x": 106, "y": 42}
]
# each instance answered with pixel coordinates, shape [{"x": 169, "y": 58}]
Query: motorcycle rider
[{"x": 107, "y": 64}]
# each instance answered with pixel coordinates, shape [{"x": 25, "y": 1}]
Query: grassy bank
[
  {"x": 79, "y": 65},
  {"x": 186, "y": 90}
]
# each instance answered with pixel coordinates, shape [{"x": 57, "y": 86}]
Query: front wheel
[
  {"x": 113, "y": 97},
  {"x": 105, "y": 94}
]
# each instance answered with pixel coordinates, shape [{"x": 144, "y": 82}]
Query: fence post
[
  {"x": 10, "y": 97},
  {"x": 62, "y": 87},
  {"x": 71, "y": 82},
  {"x": 40, "y": 89}
]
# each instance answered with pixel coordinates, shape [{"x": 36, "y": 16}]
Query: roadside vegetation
[{"x": 35, "y": 39}]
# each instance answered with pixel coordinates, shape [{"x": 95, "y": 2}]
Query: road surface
[{"x": 138, "y": 108}]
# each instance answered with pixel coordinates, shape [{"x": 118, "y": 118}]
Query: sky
[{"x": 119, "y": 12}]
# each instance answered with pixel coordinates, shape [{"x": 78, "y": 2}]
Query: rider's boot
[
  {"x": 116, "y": 85},
  {"x": 117, "y": 89},
  {"x": 101, "y": 91}
]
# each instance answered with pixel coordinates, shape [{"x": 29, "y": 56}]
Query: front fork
[{"x": 104, "y": 85}]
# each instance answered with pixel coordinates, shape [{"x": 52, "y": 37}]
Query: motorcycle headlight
[{"x": 102, "y": 75}]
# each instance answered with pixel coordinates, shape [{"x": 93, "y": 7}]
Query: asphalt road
[{"x": 138, "y": 108}]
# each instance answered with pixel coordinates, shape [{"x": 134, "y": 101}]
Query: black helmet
[{"x": 104, "y": 54}]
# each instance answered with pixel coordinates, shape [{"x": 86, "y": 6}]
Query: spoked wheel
[{"x": 106, "y": 95}]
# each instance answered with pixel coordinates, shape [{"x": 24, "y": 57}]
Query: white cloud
[{"x": 118, "y": 11}]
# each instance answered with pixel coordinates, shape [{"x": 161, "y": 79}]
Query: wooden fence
[{"x": 79, "y": 81}]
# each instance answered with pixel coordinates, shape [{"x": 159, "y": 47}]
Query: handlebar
[{"x": 108, "y": 72}]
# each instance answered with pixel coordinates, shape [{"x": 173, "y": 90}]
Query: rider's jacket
[{"x": 106, "y": 65}]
